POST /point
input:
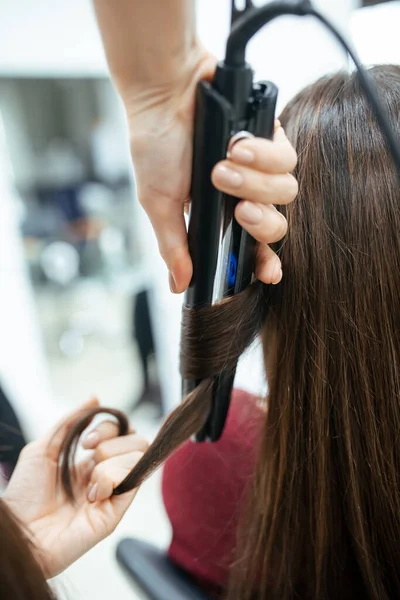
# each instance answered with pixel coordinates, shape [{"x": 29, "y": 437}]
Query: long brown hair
[
  {"x": 21, "y": 576},
  {"x": 324, "y": 508}
]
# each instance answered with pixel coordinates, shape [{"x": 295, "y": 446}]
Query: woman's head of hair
[
  {"x": 324, "y": 508},
  {"x": 325, "y": 519}
]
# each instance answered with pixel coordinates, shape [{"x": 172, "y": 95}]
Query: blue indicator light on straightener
[{"x": 232, "y": 270}]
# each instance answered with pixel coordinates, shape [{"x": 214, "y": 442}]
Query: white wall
[
  {"x": 375, "y": 33},
  {"x": 290, "y": 51},
  {"x": 49, "y": 38},
  {"x": 22, "y": 367}
]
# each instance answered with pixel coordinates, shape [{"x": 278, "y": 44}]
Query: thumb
[
  {"x": 169, "y": 226},
  {"x": 106, "y": 476}
]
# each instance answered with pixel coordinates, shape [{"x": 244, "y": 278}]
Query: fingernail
[
  {"x": 172, "y": 283},
  {"x": 91, "y": 439},
  {"x": 250, "y": 213},
  {"x": 227, "y": 177},
  {"x": 92, "y": 492},
  {"x": 242, "y": 155},
  {"x": 278, "y": 274}
]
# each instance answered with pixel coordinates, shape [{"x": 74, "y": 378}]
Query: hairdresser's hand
[
  {"x": 161, "y": 126},
  {"x": 160, "y": 121},
  {"x": 258, "y": 171},
  {"x": 63, "y": 531}
]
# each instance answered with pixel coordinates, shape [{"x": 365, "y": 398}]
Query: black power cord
[
  {"x": 369, "y": 91},
  {"x": 254, "y": 18}
]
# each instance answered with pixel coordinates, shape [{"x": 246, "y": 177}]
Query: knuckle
[
  {"x": 279, "y": 228},
  {"x": 107, "y": 429},
  {"x": 292, "y": 187},
  {"x": 99, "y": 472},
  {"x": 288, "y": 189},
  {"x": 266, "y": 187},
  {"x": 100, "y": 454},
  {"x": 142, "y": 443},
  {"x": 136, "y": 456},
  {"x": 214, "y": 172},
  {"x": 291, "y": 158},
  {"x": 226, "y": 176}
]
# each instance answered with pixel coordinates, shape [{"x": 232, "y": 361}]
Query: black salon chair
[
  {"x": 12, "y": 438},
  {"x": 154, "y": 573}
]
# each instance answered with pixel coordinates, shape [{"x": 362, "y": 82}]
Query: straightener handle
[{"x": 239, "y": 8}]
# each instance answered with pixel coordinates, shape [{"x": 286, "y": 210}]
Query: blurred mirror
[{"x": 69, "y": 153}]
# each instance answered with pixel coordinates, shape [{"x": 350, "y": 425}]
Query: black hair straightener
[{"x": 229, "y": 108}]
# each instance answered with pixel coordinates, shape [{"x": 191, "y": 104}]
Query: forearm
[{"x": 147, "y": 42}]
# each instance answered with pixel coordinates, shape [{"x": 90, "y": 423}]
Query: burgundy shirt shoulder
[{"x": 203, "y": 490}]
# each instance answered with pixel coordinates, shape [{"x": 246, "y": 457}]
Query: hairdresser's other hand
[
  {"x": 63, "y": 531},
  {"x": 259, "y": 172}
]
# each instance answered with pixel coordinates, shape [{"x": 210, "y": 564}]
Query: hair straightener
[{"x": 228, "y": 109}]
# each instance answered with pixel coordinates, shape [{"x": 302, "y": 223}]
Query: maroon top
[{"x": 203, "y": 489}]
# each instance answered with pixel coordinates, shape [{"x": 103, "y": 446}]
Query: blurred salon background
[{"x": 85, "y": 307}]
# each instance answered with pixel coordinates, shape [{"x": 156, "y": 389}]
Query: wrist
[
  {"x": 167, "y": 85},
  {"x": 154, "y": 65}
]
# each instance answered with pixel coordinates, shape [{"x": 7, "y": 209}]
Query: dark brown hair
[
  {"x": 325, "y": 504},
  {"x": 21, "y": 577},
  {"x": 220, "y": 346},
  {"x": 324, "y": 509}
]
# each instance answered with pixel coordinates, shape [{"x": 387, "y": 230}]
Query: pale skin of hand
[{"x": 62, "y": 532}]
